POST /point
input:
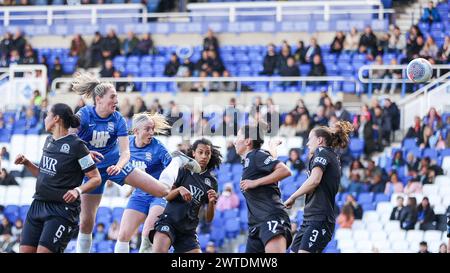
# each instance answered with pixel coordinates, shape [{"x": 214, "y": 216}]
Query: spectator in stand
[
  {"x": 338, "y": 43},
  {"x": 30, "y": 118},
  {"x": 299, "y": 110},
  {"x": 377, "y": 184},
  {"x": 394, "y": 185},
  {"x": 14, "y": 57},
  {"x": 215, "y": 63},
  {"x": 433, "y": 119},
  {"x": 29, "y": 56},
  {"x": 368, "y": 42},
  {"x": 372, "y": 170},
  {"x": 110, "y": 45},
  {"x": 19, "y": 42},
  {"x": 341, "y": 113},
  {"x": 346, "y": 217},
  {"x": 397, "y": 41},
  {"x": 357, "y": 209},
  {"x": 113, "y": 231},
  {"x": 95, "y": 50},
  {"x": 312, "y": 50},
  {"x": 78, "y": 46},
  {"x": 415, "y": 130},
  {"x": 394, "y": 74},
  {"x": 352, "y": 41},
  {"x": 430, "y": 14},
  {"x": 4, "y": 154},
  {"x": 393, "y": 114},
  {"x": 290, "y": 70},
  {"x": 210, "y": 42},
  {"x": 319, "y": 118},
  {"x": 300, "y": 53},
  {"x": 6, "y": 45},
  {"x": 186, "y": 68},
  {"x": 397, "y": 210},
  {"x": 398, "y": 160},
  {"x": 444, "y": 51},
  {"x": 365, "y": 133},
  {"x": 145, "y": 46},
  {"x": 130, "y": 45},
  {"x": 303, "y": 127},
  {"x": 424, "y": 140},
  {"x": 202, "y": 64},
  {"x": 8, "y": 244},
  {"x": 408, "y": 216},
  {"x": 294, "y": 161},
  {"x": 443, "y": 248},
  {"x": 285, "y": 54},
  {"x": 5, "y": 226},
  {"x": 413, "y": 49},
  {"x": 100, "y": 233},
  {"x": 423, "y": 247},
  {"x": 108, "y": 69},
  {"x": 6, "y": 179},
  {"x": 356, "y": 167},
  {"x": 138, "y": 107},
  {"x": 171, "y": 68},
  {"x": 413, "y": 186},
  {"x": 412, "y": 163},
  {"x": 382, "y": 125},
  {"x": 228, "y": 199},
  {"x": 425, "y": 215},
  {"x": 288, "y": 128},
  {"x": 356, "y": 185},
  {"x": 227, "y": 86},
  {"x": 270, "y": 61},
  {"x": 430, "y": 49},
  {"x": 16, "y": 230},
  {"x": 318, "y": 69},
  {"x": 57, "y": 70}
]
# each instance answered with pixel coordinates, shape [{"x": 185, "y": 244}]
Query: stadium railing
[
  {"x": 280, "y": 9},
  {"x": 332, "y": 82}
]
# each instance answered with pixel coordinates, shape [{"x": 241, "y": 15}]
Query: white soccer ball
[{"x": 419, "y": 70}]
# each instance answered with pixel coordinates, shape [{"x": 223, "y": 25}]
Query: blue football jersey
[
  {"x": 100, "y": 134},
  {"x": 152, "y": 158}
]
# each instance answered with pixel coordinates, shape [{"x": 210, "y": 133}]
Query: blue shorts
[
  {"x": 144, "y": 202},
  {"x": 118, "y": 178}
]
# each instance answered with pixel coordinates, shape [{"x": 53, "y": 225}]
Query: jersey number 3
[{"x": 99, "y": 139}]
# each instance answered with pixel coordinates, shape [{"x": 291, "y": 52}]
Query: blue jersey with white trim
[
  {"x": 100, "y": 134},
  {"x": 152, "y": 158}
]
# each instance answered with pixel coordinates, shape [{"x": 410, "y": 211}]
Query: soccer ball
[{"x": 419, "y": 70}]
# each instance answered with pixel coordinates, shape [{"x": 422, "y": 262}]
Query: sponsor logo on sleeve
[{"x": 86, "y": 162}]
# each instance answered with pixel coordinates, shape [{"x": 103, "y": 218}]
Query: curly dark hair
[{"x": 216, "y": 156}]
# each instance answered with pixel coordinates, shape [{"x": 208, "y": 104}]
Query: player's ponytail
[
  {"x": 85, "y": 84},
  {"x": 340, "y": 135},
  {"x": 337, "y": 137},
  {"x": 65, "y": 113},
  {"x": 160, "y": 121}
]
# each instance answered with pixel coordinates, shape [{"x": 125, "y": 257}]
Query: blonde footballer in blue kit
[{"x": 149, "y": 155}]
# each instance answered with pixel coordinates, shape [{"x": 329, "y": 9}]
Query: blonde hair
[
  {"x": 85, "y": 84},
  {"x": 161, "y": 124},
  {"x": 338, "y": 137}
]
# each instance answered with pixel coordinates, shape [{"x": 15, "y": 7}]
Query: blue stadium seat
[
  {"x": 243, "y": 216},
  {"x": 445, "y": 152},
  {"x": 218, "y": 235},
  {"x": 356, "y": 147},
  {"x": 117, "y": 214},
  {"x": 304, "y": 69},
  {"x": 368, "y": 206},
  {"x": 242, "y": 248},
  {"x": 431, "y": 153},
  {"x": 203, "y": 240},
  {"x": 230, "y": 214},
  {"x": 105, "y": 247},
  {"x": 416, "y": 151},
  {"x": 232, "y": 228},
  {"x": 299, "y": 217},
  {"x": 381, "y": 197},
  {"x": 409, "y": 143},
  {"x": 365, "y": 198},
  {"x": 12, "y": 213}
]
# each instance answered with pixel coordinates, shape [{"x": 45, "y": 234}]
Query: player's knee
[{"x": 125, "y": 235}]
